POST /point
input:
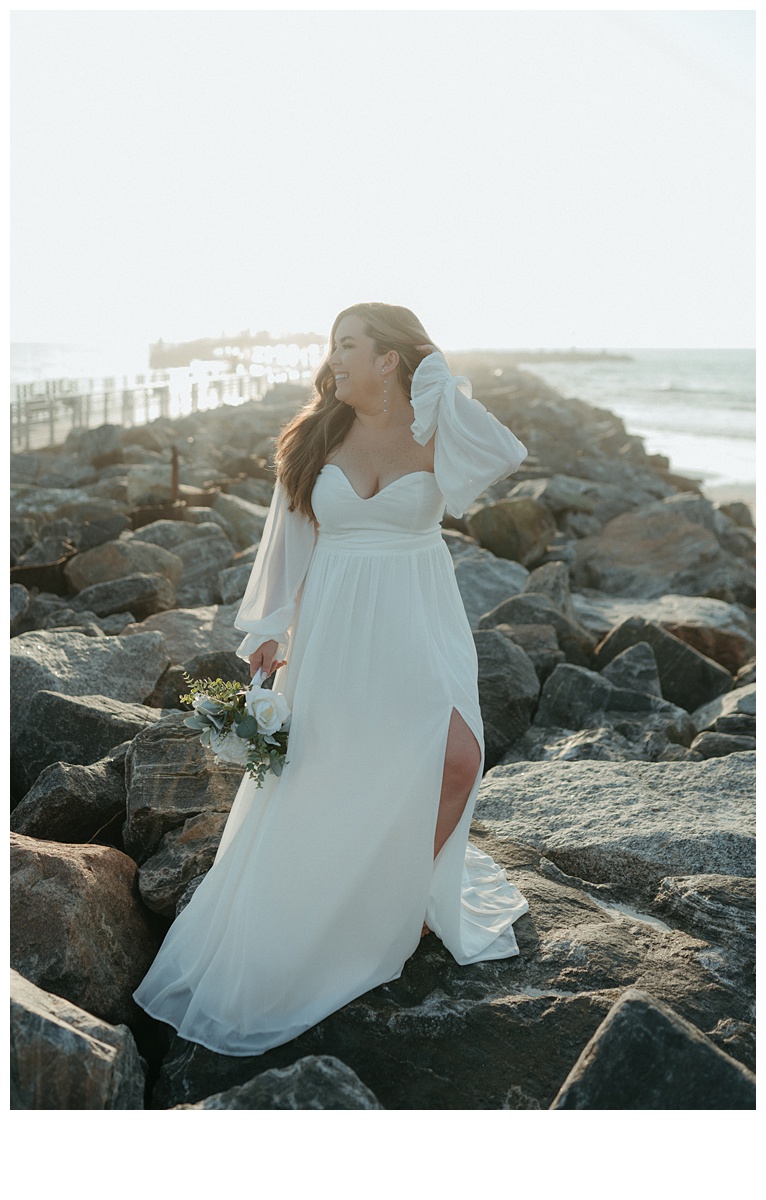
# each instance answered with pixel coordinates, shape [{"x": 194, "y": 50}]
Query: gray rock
[
  {"x": 495, "y": 1035},
  {"x": 76, "y": 665},
  {"x": 635, "y": 669},
  {"x": 80, "y": 622},
  {"x": 167, "y": 534},
  {"x": 98, "y": 446},
  {"x": 635, "y": 822},
  {"x": 740, "y": 702},
  {"x": 73, "y": 729},
  {"x": 233, "y": 582},
  {"x": 65, "y": 1058},
  {"x": 46, "y": 550},
  {"x": 73, "y": 803},
  {"x": 746, "y": 675},
  {"x": 78, "y": 927},
  {"x": 192, "y": 631},
  {"x": 203, "y": 560},
  {"x": 182, "y": 855},
  {"x": 552, "y": 580},
  {"x": 518, "y": 529},
  {"x": 644, "y": 1056},
  {"x": 739, "y": 513},
  {"x": 565, "y": 495},
  {"x": 142, "y": 595},
  {"x": 116, "y": 560},
  {"x": 716, "y": 745},
  {"x": 484, "y": 581},
  {"x": 687, "y": 677},
  {"x": 317, "y": 1081},
  {"x": 23, "y": 533},
  {"x": 508, "y": 690},
  {"x": 539, "y": 643},
  {"x": 535, "y": 608},
  {"x": 653, "y": 551},
  {"x": 171, "y": 777},
  {"x": 718, "y": 908},
  {"x": 245, "y": 520},
  {"x": 575, "y": 698},
  {"x": 51, "y": 503},
  {"x": 19, "y": 603},
  {"x": 721, "y": 631},
  {"x": 149, "y": 484},
  {"x": 94, "y": 533},
  {"x": 552, "y": 743}
]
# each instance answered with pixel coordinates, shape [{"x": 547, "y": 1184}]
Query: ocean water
[{"x": 695, "y": 406}]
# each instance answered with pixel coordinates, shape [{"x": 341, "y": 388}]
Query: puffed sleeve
[
  {"x": 472, "y": 449},
  {"x": 268, "y": 605}
]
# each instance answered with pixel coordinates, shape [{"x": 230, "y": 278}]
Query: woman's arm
[
  {"x": 472, "y": 449},
  {"x": 268, "y": 605}
]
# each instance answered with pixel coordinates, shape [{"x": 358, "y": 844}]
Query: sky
[{"x": 517, "y": 178}]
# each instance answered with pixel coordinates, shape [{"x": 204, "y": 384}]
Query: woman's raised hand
[{"x": 264, "y": 659}]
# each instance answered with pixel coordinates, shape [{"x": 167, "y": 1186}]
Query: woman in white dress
[{"x": 327, "y": 876}]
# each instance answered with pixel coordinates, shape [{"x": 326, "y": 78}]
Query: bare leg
[{"x": 461, "y": 762}]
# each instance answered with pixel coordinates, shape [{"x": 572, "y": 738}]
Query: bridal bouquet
[{"x": 248, "y": 726}]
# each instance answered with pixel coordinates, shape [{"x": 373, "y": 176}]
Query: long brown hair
[{"x": 309, "y": 437}]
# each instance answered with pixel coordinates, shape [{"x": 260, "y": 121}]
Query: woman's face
[{"x": 354, "y": 363}]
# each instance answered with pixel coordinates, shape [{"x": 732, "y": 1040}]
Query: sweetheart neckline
[{"x": 398, "y": 479}]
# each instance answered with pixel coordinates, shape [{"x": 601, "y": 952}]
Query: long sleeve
[
  {"x": 472, "y": 449},
  {"x": 268, "y": 605}
]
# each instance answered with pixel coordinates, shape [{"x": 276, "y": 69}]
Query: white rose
[
  {"x": 230, "y": 748},
  {"x": 270, "y": 709}
]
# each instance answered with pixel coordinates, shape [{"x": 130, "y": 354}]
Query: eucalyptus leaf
[{"x": 247, "y": 728}]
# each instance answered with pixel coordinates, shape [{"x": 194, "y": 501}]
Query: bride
[{"x": 327, "y": 876}]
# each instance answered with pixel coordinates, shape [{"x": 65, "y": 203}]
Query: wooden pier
[{"x": 44, "y": 412}]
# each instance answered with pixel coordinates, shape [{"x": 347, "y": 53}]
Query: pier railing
[{"x": 44, "y": 412}]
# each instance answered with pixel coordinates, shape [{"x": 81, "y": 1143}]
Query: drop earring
[{"x": 385, "y": 396}]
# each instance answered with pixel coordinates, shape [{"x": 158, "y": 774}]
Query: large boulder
[
  {"x": 317, "y": 1081},
  {"x": 552, "y": 580},
  {"x": 170, "y": 776},
  {"x": 539, "y": 643},
  {"x": 635, "y": 822},
  {"x": 687, "y": 678},
  {"x": 63, "y": 1057},
  {"x": 115, "y": 560},
  {"x": 732, "y": 712},
  {"x": 644, "y": 1056},
  {"x": 654, "y": 550},
  {"x": 78, "y": 926},
  {"x": 508, "y": 691},
  {"x": 73, "y": 803},
  {"x": 518, "y": 529},
  {"x": 635, "y": 669},
  {"x": 723, "y": 632},
  {"x": 494, "y": 1035},
  {"x": 73, "y": 729},
  {"x": 189, "y": 632},
  {"x": 139, "y": 594},
  {"x": 484, "y": 580},
  {"x": 203, "y": 559},
  {"x": 181, "y": 856},
  {"x": 719, "y": 908},
  {"x": 76, "y": 665},
  {"x": 576, "y": 698},
  {"x": 536, "y": 608},
  {"x": 245, "y": 520}
]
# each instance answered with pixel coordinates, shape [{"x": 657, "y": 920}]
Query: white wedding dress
[{"x": 325, "y": 874}]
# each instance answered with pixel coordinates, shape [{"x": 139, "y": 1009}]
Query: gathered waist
[{"x": 378, "y": 541}]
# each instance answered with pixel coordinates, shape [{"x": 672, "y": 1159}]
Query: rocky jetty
[{"x": 613, "y": 613}]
